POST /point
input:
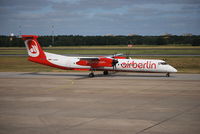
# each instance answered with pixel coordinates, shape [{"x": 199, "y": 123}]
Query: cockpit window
[{"x": 163, "y": 63}]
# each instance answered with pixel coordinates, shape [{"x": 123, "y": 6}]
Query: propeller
[
  {"x": 115, "y": 55},
  {"x": 114, "y": 63}
]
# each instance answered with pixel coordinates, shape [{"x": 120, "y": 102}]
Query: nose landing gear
[{"x": 168, "y": 75}]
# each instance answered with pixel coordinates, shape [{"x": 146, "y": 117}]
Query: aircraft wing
[
  {"x": 90, "y": 58},
  {"x": 99, "y": 58},
  {"x": 96, "y": 62},
  {"x": 115, "y": 55}
]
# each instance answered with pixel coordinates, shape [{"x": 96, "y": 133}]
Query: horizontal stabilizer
[{"x": 25, "y": 37}]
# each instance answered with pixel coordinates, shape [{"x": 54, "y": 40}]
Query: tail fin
[
  {"x": 32, "y": 46},
  {"x": 35, "y": 52}
]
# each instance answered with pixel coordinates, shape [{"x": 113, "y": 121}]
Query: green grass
[
  {"x": 13, "y": 52},
  {"x": 22, "y": 50},
  {"x": 117, "y": 46},
  {"x": 21, "y": 64},
  {"x": 113, "y": 51},
  {"x": 125, "y": 51}
]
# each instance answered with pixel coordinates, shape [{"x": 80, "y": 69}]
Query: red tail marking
[{"x": 33, "y": 47}]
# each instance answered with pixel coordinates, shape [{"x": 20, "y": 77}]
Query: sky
[{"x": 99, "y": 17}]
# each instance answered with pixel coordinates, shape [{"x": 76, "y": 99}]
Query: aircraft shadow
[
  {"x": 111, "y": 75},
  {"x": 54, "y": 74}
]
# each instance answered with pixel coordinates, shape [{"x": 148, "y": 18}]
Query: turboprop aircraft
[{"x": 115, "y": 62}]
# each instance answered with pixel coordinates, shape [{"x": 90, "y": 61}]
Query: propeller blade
[
  {"x": 114, "y": 63},
  {"x": 114, "y": 55}
]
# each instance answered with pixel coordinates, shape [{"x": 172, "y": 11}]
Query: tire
[
  {"x": 105, "y": 72},
  {"x": 91, "y": 75}
]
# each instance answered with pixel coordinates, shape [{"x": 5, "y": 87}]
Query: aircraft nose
[{"x": 172, "y": 69}]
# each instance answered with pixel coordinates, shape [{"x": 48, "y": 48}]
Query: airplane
[{"x": 116, "y": 62}]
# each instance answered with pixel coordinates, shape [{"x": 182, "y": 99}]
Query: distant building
[
  {"x": 132, "y": 35},
  {"x": 11, "y": 36},
  {"x": 109, "y": 35},
  {"x": 187, "y": 34},
  {"x": 130, "y": 45}
]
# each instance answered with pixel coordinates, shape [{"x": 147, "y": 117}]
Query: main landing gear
[
  {"x": 168, "y": 75},
  {"x": 92, "y": 73},
  {"x": 105, "y": 72}
]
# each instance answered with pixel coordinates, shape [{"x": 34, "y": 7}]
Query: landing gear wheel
[
  {"x": 105, "y": 72},
  {"x": 168, "y": 75},
  {"x": 91, "y": 75}
]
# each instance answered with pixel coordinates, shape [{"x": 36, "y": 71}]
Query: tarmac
[{"x": 121, "y": 103}]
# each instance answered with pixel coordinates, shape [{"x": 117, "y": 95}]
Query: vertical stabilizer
[{"x": 35, "y": 52}]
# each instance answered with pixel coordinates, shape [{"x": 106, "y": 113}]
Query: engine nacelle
[{"x": 101, "y": 62}]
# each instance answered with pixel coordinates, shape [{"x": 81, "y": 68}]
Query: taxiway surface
[{"x": 122, "y": 103}]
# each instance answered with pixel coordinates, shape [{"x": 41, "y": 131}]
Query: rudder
[
  {"x": 33, "y": 47},
  {"x": 35, "y": 52}
]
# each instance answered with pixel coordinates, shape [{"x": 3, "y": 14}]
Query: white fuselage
[{"x": 135, "y": 65}]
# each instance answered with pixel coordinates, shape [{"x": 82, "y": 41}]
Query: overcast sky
[{"x": 100, "y": 17}]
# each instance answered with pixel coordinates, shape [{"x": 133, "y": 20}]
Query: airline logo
[
  {"x": 32, "y": 48},
  {"x": 146, "y": 65}
]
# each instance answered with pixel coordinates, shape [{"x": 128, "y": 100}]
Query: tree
[{"x": 196, "y": 42}]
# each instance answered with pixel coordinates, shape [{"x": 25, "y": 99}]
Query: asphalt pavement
[{"x": 121, "y": 103}]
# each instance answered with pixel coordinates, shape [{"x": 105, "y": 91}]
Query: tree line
[{"x": 77, "y": 40}]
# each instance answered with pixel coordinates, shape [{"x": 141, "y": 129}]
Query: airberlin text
[{"x": 145, "y": 65}]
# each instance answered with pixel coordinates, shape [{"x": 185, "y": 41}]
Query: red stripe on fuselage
[{"x": 46, "y": 62}]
